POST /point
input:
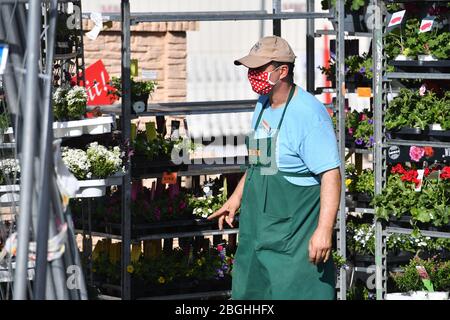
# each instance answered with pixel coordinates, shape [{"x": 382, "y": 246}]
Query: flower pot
[
  {"x": 399, "y": 296},
  {"x": 419, "y": 295},
  {"x": 402, "y": 57},
  {"x": 426, "y": 57},
  {"x": 67, "y": 129},
  {"x": 354, "y": 21},
  {"x": 98, "y": 125},
  {"x": 139, "y": 103},
  {"x": 96, "y": 187},
  {"x": 435, "y": 127},
  {"x": 9, "y": 197},
  {"x": 439, "y": 295}
]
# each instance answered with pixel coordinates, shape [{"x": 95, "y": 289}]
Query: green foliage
[
  {"x": 366, "y": 182},
  {"x": 354, "y": 5},
  {"x": 408, "y": 41},
  {"x": 138, "y": 88},
  {"x": 339, "y": 261},
  {"x": 410, "y": 109},
  {"x": 158, "y": 148},
  {"x": 430, "y": 205},
  {"x": 409, "y": 279}
]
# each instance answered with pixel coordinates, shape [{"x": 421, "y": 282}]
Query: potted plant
[
  {"x": 92, "y": 167},
  {"x": 140, "y": 90},
  {"x": 422, "y": 280},
  {"x": 365, "y": 186},
  {"x": 4, "y": 125},
  {"x": 355, "y": 14},
  {"x": 9, "y": 177},
  {"x": 69, "y": 103}
]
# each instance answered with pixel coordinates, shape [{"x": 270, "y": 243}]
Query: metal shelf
[
  {"x": 197, "y": 170},
  {"x": 7, "y": 145},
  {"x": 400, "y": 142},
  {"x": 188, "y": 234},
  {"x": 66, "y": 56},
  {"x": 320, "y": 33},
  {"x": 426, "y": 233},
  {"x": 213, "y": 16},
  {"x": 417, "y": 75},
  {"x": 170, "y": 235},
  {"x": 197, "y": 295},
  {"x": 361, "y": 210},
  {"x": 203, "y": 107}
]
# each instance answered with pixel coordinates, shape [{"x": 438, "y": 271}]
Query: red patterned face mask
[{"x": 260, "y": 81}]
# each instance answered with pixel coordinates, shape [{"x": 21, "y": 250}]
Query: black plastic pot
[{"x": 136, "y": 102}]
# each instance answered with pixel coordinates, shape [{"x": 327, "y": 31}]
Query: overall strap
[{"x": 291, "y": 94}]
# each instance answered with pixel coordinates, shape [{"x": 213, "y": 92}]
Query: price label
[
  {"x": 169, "y": 177},
  {"x": 365, "y": 92}
]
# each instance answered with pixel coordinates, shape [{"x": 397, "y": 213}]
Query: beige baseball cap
[{"x": 267, "y": 49}]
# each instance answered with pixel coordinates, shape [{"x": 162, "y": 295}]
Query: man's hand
[
  {"x": 320, "y": 245},
  {"x": 227, "y": 211}
]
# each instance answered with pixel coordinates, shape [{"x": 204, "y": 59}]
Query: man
[{"x": 287, "y": 215}]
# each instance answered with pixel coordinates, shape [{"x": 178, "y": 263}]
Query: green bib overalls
[{"x": 276, "y": 223}]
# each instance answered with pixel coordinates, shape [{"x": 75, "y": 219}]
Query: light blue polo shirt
[{"x": 306, "y": 141}]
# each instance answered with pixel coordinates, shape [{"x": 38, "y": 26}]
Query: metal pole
[
  {"x": 46, "y": 168},
  {"x": 377, "y": 50},
  {"x": 261, "y": 26},
  {"x": 126, "y": 132},
  {"x": 276, "y": 8},
  {"x": 29, "y": 136},
  {"x": 340, "y": 97},
  {"x": 310, "y": 52}
]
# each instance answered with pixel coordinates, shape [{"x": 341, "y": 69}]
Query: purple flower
[
  {"x": 371, "y": 141},
  {"x": 362, "y": 70},
  {"x": 371, "y": 69},
  {"x": 359, "y": 141},
  {"x": 370, "y": 121},
  {"x": 157, "y": 214}
]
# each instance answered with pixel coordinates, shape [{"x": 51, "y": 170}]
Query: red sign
[{"x": 97, "y": 85}]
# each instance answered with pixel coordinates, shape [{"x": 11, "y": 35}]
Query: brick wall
[{"x": 157, "y": 46}]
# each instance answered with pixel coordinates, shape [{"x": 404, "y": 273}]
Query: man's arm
[{"x": 321, "y": 241}]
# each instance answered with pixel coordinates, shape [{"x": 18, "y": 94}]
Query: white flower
[
  {"x": 204, "y": 215},
  {"x": 206, "y": 190},
  {"x": 210, "y": 210}
]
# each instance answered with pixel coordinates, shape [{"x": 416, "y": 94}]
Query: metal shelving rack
[
  {"x": 380, "y": 84},
  {"x": 163, "y": 109}
]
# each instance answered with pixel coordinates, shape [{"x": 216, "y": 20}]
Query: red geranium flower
[
  {"x": 410, "y": 176},
  {"x": 445, "y": 174},
  {"x": 427, "y": 172},
  {"x": 398, "y": 168}
]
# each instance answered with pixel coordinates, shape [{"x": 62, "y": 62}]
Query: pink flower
[
  {"x": 416, "y": 153},
  {"x": 219, "y": 248},
  {"x": 422, "y": 272},
  {"x": 422, "y": 90},
  {"x": 350, "y": 131}
]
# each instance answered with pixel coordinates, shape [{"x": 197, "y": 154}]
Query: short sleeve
[{"x": 319, "y": 150}]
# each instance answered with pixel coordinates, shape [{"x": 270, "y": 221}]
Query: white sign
[
  {"x": 426, "y": 25},
  {"x": 397, "y": 18},
  {"x": 3, "y": 57},
  {"x": 149, "y": 74}
]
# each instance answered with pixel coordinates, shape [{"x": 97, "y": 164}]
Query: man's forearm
[
  {"x": 240, "y": 188},
  {"x": 330, "y": 192}
]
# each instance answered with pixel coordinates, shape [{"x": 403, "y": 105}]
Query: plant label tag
[
  {"x": 420, "y": 178},
  {"x": 149, "y": 74},
  {"x": 365, "y": 92},
  {"x": 169, "y": 177},
  {"x": 397, "y": 18},
  {"x": 134, "y": 68},
  {"x": 3, "y": 57},
  {"x": 426, "y": 24}
]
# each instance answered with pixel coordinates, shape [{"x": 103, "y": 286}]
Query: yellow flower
[
  {"x": 130, "y": 269},
  {"x": 348, "y": 182},
  {"x": 199, "y": 262},
  {"x": 161, "y": 280}
]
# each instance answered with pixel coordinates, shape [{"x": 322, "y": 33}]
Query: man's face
[{"x": 276, "y": 73}]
